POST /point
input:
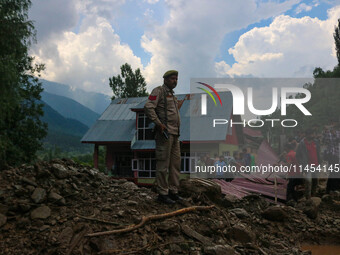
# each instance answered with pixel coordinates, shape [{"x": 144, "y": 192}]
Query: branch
[{"x": 150, "y": 218}]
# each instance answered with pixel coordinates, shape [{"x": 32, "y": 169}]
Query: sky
[{"x": 84, "y": 42}]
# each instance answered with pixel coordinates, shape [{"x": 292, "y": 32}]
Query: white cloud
[
  {"x": 151, "y": 1},
  {"x": 303, "y": 8},
  {"x": 87, "y": 60},
  {"x": 288, "y": 47},
  {"x": 108, "y": 9},
  {"x": 190, "y": 39},
  {"x": 221, "y": 68}
]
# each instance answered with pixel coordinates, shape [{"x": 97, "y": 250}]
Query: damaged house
[{"x": 127, "y": 135}]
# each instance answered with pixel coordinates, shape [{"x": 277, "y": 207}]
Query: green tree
[
  {"x": 336, "y": 36},
  {"x": 20, "y": 110},
  {"x": 128, "y": 84}
]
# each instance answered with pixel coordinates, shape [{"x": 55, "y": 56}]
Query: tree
[
  {"x": 128, "y": 84},
  {"x": 20, "y": 126},
  {"x": 336, "y": 36}
]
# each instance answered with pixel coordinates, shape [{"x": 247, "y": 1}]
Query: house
[{"x": 125, "y": 131}]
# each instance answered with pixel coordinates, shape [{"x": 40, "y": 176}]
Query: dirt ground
[{"x": 52, "y": 207}]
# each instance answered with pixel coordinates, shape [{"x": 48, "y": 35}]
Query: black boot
[
  {"x": 165, "y": 199},
  {"x": 175, "y": 196}
]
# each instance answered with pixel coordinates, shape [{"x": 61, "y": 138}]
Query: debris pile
[{"x": 57, "y": 207}]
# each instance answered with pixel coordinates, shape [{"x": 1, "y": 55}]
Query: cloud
[
  {"x": 87, "y": 59},
  {"x": 84, "y": 50},
  {"x": 108, "y": 9},
  {"x": 53, "y": 17},
  {"x": 190, "y": 38},
  {"x": 288, "y": 47},
  {"x": 303, "y": 8},
  {"x": 151, "y": 1}
]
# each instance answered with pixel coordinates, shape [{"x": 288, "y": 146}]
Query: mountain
[
  {"x": 97, "y": 102},
  {"x": 70, "y": 108},
  {"x": 63, "y": 133},
  {"x": 57, "y": 122}
]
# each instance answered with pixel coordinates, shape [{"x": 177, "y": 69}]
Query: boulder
[
  {"x": 129, "y": 186},
  {"x": 56, "y": 198},
  {"x": 60, "y": 171},
  {"x": 197, "y": 186},
  {"x": 316, "y": 201},
  {"x": 41, "y": 212},
  {"x": 240, "y": 213},
  {"x": 274, "y": 213},
  {"x": 39, "y": 195},
  {"x": 241, "y": 234}
]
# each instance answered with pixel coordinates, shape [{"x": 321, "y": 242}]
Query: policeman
[{"x": 162, "y": 108}]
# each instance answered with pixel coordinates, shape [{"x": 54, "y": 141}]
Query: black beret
[{"x": 170, "y": 72}]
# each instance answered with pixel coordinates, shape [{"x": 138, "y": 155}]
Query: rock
[
  {"x": 28, "y": 181},
  {"x": 39, "y": 195},
  {"x": 168, "y": 226},
  {"x": 23, "y": 223},
  {"x": 3, "y": 208},
  {"x": 24, "y": 205},
  {"x": 311, "y": 211},
  {"x": 309, "y": 208},
  {"x": 175, "y": 249},
  {"x": 60, "y": 171},
  {"x": 219, "y": 250},
  {"x": 30, "y": 188},
  {"x": 316, "y": 201},
  {"x": 193, "y": 234},
  {"x": 3, "y": 220},
  {"x": 228, "y": 200},
  {"x": 241, "y": 234},
  {"x": 274, "y": 213},
  {"x": 193, "y": 186},
  {"x": 131, "y": 202},
  {"x": 240, "y": 213},
  {"x": 66, "y": 235},
  {"x": 56, "y": 198},
  {"x": 42, "y": 212},
  {"x": 327, "y": 198},
  {"x": 129, "y": 186}
]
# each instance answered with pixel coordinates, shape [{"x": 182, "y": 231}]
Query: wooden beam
[{"x": 95, "y": 156}]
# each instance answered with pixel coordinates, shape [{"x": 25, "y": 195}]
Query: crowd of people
[
  {"x": 238, "y": 159},
  {"x": 316, "y": 153}
]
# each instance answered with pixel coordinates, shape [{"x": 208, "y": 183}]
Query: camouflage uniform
[{"x": 168, "y": 155}]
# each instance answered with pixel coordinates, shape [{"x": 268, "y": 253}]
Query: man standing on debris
[
  {"x": 162, "y": 108},
  {"x": 308, "y": 153}
]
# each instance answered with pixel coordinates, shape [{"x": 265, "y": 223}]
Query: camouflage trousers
[{"x": 168, "y": 162}]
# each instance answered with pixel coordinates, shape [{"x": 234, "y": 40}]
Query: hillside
[
  {"x": 70, "y": 108},
  {"x": 97, "y": 102},
  {"x": 63, "y": 133},
  {"x": 56, "y": 122},
  {"x": 54, "y": 207}
]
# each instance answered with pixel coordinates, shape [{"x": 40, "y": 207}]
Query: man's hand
[{"x": 162, "y": 127}]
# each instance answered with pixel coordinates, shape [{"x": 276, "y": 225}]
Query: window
[
  {"x": 189, "y": 161},
  {"x": 226, "y": 153},
  {"x": 145, "y": 165},
  {"x": 144, "y": 132}
]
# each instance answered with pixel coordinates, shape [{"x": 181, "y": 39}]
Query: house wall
[
  {"x": 223, "y": 147},
  {"x": 211, "y": 148}
]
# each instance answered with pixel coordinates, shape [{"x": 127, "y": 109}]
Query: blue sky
[
  {"x": 84, "y": 42},
  {"x": 133, "y": 16}
]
